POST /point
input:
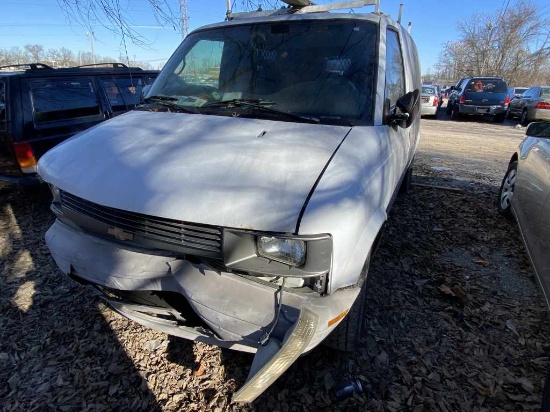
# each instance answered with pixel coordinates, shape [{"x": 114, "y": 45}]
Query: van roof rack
[
  {"x": 106, "y": 64},
  {"x": 304, "y": 6},
  {"x": 28, "y": 66}
]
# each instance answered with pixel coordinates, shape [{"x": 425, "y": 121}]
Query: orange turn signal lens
[{"x": 338, "y": 318}]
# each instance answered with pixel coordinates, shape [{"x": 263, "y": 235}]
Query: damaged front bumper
[{"x": 224, "y": 309}]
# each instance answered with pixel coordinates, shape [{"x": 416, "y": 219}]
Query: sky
[{"x": 434, "y": 22}]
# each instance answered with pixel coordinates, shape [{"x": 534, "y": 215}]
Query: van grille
[{"x": 144, "y": 229}]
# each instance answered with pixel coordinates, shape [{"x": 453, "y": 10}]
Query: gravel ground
[{"x": 455, "y": 320}]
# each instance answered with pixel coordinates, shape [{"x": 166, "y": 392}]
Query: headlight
[
  {"x": 260, "y": 254},
  {"x": 289, "y": 251}
]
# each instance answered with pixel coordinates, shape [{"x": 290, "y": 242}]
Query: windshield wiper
[
  {"x": 239, "y": 102},
  {"x": 261, "y": 105},
  {"x": 168, "y": 102}
]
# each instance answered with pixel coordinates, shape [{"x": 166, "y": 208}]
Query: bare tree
[
  {"x": 114, "y": 17},
  {"x": 513, "y": 43},
  {"x": 35, "y": 52}
]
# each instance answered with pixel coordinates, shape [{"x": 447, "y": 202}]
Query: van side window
[
  {"x": 395, "y": 72},
  {"x": 55, "y": 99},
  {"x": 2, "y": 105}
]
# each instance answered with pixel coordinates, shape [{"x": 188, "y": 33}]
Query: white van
[{"x": 239, "y": 204}]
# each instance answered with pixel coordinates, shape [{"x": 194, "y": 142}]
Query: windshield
[{"x": 316, "y": 69}]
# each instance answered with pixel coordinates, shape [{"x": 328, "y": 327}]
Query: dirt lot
[{"x": 455, "y": 320}]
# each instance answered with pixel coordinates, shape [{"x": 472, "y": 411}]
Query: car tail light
[
  {"x": 25, "y": 157},
  {"x": 507, "y": 101},
  {"x": 462, "y": 99},
  {"x": 435, "y": 101},
  {"x": 543, "y": 105}
]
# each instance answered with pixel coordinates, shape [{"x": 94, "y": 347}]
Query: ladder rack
[{"x": 303, "y": 7}]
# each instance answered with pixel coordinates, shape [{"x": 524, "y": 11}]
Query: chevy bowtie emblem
[{"x": 120, "y": 234}]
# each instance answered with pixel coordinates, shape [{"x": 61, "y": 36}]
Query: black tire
[
  {"x": 523, "y": 119},
  {"x": 499, "y": 118},
  {"x": 455, "y": 114},
  {"x": 506, "y": 191},
  {"x": 545, "y": 407},
  {"x": 509, "y": 114},
  {"x": 406, "y": 184},
  {"x": 346, "y": 336}
]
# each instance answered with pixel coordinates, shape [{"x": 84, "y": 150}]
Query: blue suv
[{"x": 480, "y": 96}]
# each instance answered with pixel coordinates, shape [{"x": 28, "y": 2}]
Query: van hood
[{"x": 232, "y": 172}]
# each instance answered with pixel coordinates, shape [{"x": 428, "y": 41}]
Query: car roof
[{"x": 41, "y": 70}]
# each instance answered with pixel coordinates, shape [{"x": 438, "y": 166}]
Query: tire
[
  {"x": 545, "y": 407},
  {"x": 499, "y": 118},
  {"x": 455, "y": 114},
  {"x": 523, "y": 119},
  {"x": 509, "y": 114},
  {"x": 506, "y": 192},
  {"x": 346, "y": 336},
  {"x": 406, "y": 184}
]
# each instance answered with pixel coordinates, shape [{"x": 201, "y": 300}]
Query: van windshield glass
[{"x": 315, "y": 69}]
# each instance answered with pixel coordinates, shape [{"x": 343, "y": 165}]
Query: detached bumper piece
[{"x": 294, "y": 344}]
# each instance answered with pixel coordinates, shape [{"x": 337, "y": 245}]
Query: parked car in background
[
  {"x": 532, "y": 105},
  {"x": 515, "y": 92},
  {"x": 525, "y": 195},
  {"x": 479, "y": 96},
  {"x": 429, "y": 98},
  {"x": 41, "y": 106},
  {"x": 242, "y": 211}
]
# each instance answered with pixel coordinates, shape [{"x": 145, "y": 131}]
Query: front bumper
[
  {"x": 236, "y": 311},
  {"x": 481, "y": 110}
]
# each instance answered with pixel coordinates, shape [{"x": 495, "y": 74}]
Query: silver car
[
  {"x": 533, "y": 105},
  {"x": 430, "y": 100},
  {"x": 525, "y": 195}
]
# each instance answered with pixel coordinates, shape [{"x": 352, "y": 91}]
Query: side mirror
[
  {"x": 538, "y": 129},
  {"x": 144, "y": 91},
  {"x": 406, "y": 108}
]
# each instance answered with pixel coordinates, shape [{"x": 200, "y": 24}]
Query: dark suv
[
  {"x": 481, "y": 96},
  {"x": 41, "y": 106}
]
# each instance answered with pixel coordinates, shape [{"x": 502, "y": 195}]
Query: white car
[
  {"x": 242, "y": 212},
  {"x": 429, "y": 98}
]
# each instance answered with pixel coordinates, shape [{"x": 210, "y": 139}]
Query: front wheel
[
  {"x": 506, "y": 192},
  {"x": 346, "y": 336},
  {"x": 406, "y": 184}
]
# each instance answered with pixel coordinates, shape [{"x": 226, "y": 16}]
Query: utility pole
[{"x": 91, "y": 37}]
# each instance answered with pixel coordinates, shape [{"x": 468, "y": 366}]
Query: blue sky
[{"x": 42, "y": 22}]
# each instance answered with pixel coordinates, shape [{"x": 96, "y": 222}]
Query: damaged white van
[{"x": 238, "y": 205}]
